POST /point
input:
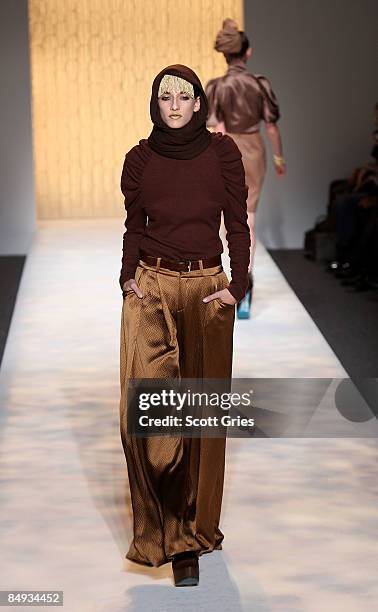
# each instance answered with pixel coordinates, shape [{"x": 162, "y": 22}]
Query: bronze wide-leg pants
[{"x": 176, "y": 483}]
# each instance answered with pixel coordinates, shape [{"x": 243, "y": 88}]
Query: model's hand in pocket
[
  {"x": 131, "y": 286},
  {"x": 224, "y": 295}
]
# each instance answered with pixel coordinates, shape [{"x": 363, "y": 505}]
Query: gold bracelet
[{"x": 278, "y": 160}]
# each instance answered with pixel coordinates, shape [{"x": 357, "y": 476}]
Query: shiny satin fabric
[
  {"x": 176, "y": 483},
  {"x": 252, "y": 148},
  {"x": 241, "y": 100}
]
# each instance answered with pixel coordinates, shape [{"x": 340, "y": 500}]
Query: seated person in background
[
  {"x": 344, "y": 209},
  {"x": 363, "y": 271}
]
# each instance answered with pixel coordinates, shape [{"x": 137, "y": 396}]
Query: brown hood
[{"x": 191, "y": 139}]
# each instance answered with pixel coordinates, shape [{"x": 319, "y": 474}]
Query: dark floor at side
[{"x": 347, "y": 319}]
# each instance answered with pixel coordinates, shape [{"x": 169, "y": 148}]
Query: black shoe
[
  {"x": 333, "y": 266},
  {"x": 185, "y": 569},
  {"x": 346, "y": 270}
]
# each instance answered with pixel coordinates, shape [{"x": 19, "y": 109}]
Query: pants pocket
[
  {"x": 222, "y": 283},
  {"x": 138, "y": 274},
  {"x": 225, "y": 304}
]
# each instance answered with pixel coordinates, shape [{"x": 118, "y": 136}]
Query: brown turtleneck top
[{"x": 174, "y": 208}]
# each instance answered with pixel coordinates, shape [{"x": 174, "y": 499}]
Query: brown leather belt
[{"x": 183, "y": 265}]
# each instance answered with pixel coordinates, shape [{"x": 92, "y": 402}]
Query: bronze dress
[{"x": 242, "y": 100}]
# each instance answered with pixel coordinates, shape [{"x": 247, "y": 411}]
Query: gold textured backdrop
[{"x": 92, "y": 66}]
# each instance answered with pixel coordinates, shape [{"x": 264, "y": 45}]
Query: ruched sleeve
[
  {"x": 215, "y": 114},
  {"x": 271, "y": 111},
  {"x": 235, "y": 213},
  {"x": 133, "y": 168}
]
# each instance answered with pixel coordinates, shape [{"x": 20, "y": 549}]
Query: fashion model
[
  {"x": 238, "y": 102},
  {"x": 178, "y": 312}
]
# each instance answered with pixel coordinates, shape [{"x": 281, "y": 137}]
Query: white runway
[{"x": 299, "y": 515}]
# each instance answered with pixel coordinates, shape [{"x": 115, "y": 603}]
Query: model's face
[{"x": 176, "y": 109}]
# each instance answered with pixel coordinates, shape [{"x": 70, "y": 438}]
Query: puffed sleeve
[
  {"x": 235, "y": 212},
  {"x": 133, "y": 167},
  {"x": 271, "y": 111},
  {"x": 215, "y": 114}
]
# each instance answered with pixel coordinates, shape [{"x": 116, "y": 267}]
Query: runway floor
[{"x": 299, "y": 514}]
